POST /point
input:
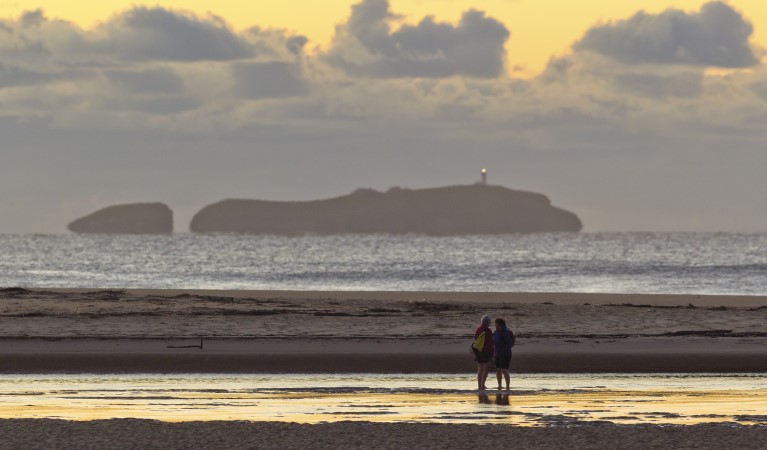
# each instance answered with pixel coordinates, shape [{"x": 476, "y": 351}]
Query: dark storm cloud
[
  {"x": 366, "y": 45},
  {"x": 715, "y": 36}
]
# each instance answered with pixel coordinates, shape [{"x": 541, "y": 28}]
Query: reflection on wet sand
[
  {"x": 537, "y": 400},
  {"x": 501, "y": 398}
]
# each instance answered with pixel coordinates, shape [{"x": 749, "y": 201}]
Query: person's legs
[
  {"x": 486, "y": 372},
  {"x": 498, "y": 376},
  {"x": 479, "y": 375},
  {"x": 505, "y": 376},
  {"x": 482, "y": 370}
]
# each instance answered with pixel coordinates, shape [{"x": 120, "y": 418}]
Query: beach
[
  {"x": 73, "y": 331},
  {"x": 208, "y": 435},
  {"x": 70, "y": 331}
]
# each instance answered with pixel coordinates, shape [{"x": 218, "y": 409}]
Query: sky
[{"x": 636, "y": 115}]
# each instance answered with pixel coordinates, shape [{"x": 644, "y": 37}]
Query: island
[
  {"x": 135, "y": 218},
  {"x": 452, "y": 210}
]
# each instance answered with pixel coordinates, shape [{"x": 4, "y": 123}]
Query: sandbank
[{"x": 106, "y": 331}]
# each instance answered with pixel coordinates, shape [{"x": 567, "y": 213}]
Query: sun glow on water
[{"x": 535, "y": 400}]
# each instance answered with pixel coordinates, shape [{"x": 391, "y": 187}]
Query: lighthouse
[{"x": 484, "y": 177}]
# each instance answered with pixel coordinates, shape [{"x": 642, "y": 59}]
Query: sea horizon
[{"x": 720, "y": 263}]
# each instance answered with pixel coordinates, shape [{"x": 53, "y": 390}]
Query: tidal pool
[{"x": 534, "y": 400}]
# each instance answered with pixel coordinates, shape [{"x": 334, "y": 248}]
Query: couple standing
[{"x": 492, "y": 347}]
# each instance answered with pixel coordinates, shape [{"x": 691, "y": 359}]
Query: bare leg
[
  {"x": 482, "y": 370},
  {"x": 479, "y": 375},
  {"x": 498, "y": 376},
  {"x": 506, "y": 376}
]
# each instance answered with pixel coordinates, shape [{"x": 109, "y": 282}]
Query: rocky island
[
  {"x": 452, "y": 210},
  {"x": 135, "y": 218}
]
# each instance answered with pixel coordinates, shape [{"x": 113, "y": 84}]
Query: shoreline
[
  {"x": 108, "y": 331},
  {"x": 559, "y": 298}
]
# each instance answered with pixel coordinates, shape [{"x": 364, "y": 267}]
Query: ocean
[{"x": 667, "y": 263}]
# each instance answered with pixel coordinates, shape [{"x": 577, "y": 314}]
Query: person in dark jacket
[
  {"x": 485, "y": 356},
  {"x": 503, "y": 340}
]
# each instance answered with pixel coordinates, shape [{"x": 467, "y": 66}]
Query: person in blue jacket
[{"x": 503, "y": 340}]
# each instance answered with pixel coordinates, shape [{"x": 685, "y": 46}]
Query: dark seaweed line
[{"x": 564, "y": 337}]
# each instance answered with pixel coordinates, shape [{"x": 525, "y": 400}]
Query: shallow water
[{"x": 534, "y": 400}]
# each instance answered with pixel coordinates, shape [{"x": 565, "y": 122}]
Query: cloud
[
  {"x": 581, "y": 72},
  {"x": 760, "y": 88},
  {"x": 161, "y": 34},
  {"x": 557, "y": 69},
  {"x": 32, "y": 18},
  {"x": 386, "y": 104},
  {"x": 143, "y": 60},
  {"x": 685, "y": 84},
  {"x": 17, "y": 76},
  {"x": 716, "y": 36},
  {"x": 158, "y": 105},
  {"x": 139, "y": 34},
  {"x": 366, "y": 45},
  {"x": 295, "y": 44},
  {"x": 146, "y": 81},
  {"x": 256, "y": 80}
]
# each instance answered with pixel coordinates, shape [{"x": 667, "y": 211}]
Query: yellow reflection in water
[
  {"x": 175, "y": 400},
  {"x": 615, "y": 406}
]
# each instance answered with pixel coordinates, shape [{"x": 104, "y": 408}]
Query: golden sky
[{"x": 540, "y": 28}]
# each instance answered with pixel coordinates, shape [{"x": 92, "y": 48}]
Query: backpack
[
  {"x": 479, "y": 343},
  {"x": 513, "y": 338}
]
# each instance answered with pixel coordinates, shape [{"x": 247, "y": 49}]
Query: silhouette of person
[
  {"x": 485, "y": 355},
  {"x": 503, "y": 340}
]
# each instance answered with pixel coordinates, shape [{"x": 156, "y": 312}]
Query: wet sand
[
  {"x": 125, "y": 433},
  {"x": 43, "y": 331},
  {"x": 534, "y": 400},
  {"x": 48, "y": 331}
]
